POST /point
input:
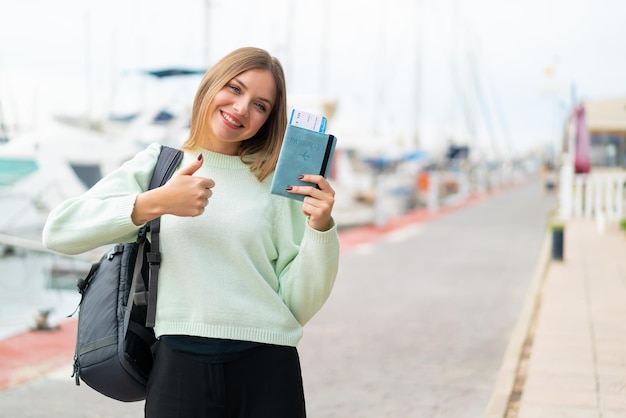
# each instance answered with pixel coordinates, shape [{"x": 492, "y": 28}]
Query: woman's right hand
[{"x": 183, "y": 195}]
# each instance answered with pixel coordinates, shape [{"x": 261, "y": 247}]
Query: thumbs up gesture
[
  {"x": 188, "y": 195},
  {"x": 183, "y": 195}
]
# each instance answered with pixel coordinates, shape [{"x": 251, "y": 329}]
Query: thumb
[{"x": 193, "y": 167}]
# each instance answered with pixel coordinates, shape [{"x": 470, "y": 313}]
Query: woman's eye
[
  {"x": 261, "y": 107},
  {"x": 234, "y": 88}
]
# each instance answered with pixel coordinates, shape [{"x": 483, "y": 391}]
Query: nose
[{"x": 241, "y": 106}]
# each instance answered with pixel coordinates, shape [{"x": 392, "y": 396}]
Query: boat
[
  {"x": 38, "y": 170},
  {"x": 146, "y": 106}
]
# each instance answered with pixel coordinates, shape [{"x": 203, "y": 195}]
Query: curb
[
  {"x": 508, "y": 374},
  {"x": 32, "y": 354},
  {"x": 354, "y": 236}
]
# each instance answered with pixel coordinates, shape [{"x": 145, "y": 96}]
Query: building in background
[{"x": 606, "y": 123}]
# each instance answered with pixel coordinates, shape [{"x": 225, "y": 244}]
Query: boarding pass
[{"x": 308, "y": 120}]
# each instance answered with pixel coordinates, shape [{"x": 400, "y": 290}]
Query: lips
[{"x": 230, "y": 120}]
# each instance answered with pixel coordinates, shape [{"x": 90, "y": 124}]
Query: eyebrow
[{"x": 263, "y": 99}]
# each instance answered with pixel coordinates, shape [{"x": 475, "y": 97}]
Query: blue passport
[{"x": 303, "y": 152}]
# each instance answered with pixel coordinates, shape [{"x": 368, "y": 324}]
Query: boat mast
[
  {"x": 4, "y": 137},
  {"x": 207, "y": 32},
  {"x": 419, "y": 58}
]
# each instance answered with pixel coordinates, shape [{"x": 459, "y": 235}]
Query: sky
[{"x": 499, "y": 75}]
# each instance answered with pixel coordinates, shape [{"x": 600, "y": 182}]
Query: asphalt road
[{"x": 417, "y": 325}]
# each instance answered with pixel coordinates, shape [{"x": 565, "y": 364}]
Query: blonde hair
[{"x": 261, "y": 151}]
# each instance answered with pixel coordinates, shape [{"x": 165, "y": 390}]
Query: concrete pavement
[
  {"x": 566, "y": 355},
  {"x": 567, "y": 358},
  {"x": 420, "y": 318}
]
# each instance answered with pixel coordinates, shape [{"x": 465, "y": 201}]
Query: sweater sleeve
[
  {"x": 101, "y": 215},
  {"x": 307, "y": 264}
]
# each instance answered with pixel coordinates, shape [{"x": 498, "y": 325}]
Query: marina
[{"x": 480, "y": 188}]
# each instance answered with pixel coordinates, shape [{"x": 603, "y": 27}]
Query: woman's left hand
[{"x": 318, "y": 202}]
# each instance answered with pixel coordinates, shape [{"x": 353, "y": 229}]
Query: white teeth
[{"x": 231, "y": 120}]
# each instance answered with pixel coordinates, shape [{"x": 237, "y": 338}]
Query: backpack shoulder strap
[{"x": 169, "y": 159}]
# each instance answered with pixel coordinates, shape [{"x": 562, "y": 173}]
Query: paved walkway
[
  {"x": 420, "y": 318},
  {"x": 567, "y": 358}
]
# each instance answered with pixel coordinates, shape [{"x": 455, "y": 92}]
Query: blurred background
[
  {"x": 403, "y": 73},
  {"x": 431, "y": 101}
]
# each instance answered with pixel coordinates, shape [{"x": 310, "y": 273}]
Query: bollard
[{"x": 558, "y": 242}]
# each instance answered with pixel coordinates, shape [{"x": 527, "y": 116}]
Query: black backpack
[{"x": 118, "y": 308}]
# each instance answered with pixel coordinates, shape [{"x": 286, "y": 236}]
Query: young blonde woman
[{"x": 242, "y": 270}]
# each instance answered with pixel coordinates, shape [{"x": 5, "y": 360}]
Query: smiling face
[{"x": 239, "y": 110}]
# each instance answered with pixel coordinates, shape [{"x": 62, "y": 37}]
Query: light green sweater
[{"x": 249, "y": 268}]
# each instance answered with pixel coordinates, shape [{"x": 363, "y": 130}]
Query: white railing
[{"x": 598, "y": 195}]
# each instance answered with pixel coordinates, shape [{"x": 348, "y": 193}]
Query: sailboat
[{"x": 146, "y": 106}]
